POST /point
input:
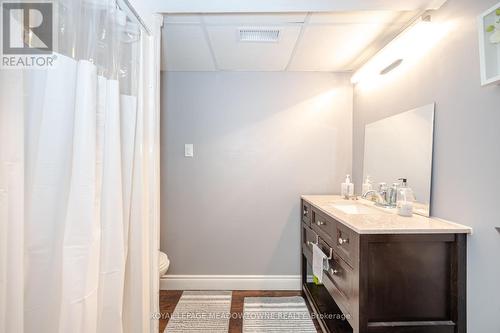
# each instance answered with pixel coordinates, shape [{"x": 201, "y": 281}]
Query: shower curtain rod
[{"x": 132, "y": 13}]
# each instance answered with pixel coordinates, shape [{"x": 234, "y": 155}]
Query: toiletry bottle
[
  {"x": 405, "y": 199},
  {"x": 347, "y": 188},
  {"x": 367, "y": 185},
  {"x": 383, "y": 189},
  {"x": 393, "y": 195},
  {"x": 350, "y": 188}
]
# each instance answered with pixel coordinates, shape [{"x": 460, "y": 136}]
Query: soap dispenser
[
  {"x": 367, "y": 185},
  {"x": 405, "y": 199},
  {"x": 347, "y": 188}
]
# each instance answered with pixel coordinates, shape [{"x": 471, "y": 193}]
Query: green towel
[{"x": 316, "y": 281}]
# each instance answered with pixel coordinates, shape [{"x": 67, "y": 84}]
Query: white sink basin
[{"x": 353, "y": 208}]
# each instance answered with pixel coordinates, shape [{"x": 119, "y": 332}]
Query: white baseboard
[{"x": 230, "y": 282}]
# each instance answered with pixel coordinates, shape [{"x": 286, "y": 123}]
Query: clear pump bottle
[
  {"x": 405, "y": 199},
  {"x": 347, "y": 188},
  {"x": 367, "y": 185}
]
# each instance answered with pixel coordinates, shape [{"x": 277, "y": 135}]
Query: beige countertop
[{"x": 381, "y": 221}]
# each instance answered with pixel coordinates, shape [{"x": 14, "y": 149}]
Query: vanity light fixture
[
  {"x": 405, "y": 46},
  {"x": 391, "y": 67}
]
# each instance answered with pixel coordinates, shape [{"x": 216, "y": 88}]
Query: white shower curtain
[
  {"x": 73, "y": 216},
  {"x": 11, "y": 203}
]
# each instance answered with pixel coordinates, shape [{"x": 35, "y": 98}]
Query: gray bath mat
[
  {"x": 276, "y": 314},
  {"x": 201, "y": 311}
]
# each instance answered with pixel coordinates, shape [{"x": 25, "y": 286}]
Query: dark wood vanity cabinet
[{"x": 385, "y": 282}]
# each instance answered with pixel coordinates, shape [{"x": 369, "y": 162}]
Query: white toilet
[{"x": 163, "y": 263}]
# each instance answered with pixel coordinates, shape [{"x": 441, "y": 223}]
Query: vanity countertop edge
[{"x": 383, "y": 222}]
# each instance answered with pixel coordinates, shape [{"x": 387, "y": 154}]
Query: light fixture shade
[{"x": 406, "y": 46}]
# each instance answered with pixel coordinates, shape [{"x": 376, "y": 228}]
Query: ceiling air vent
[{"x": 265, "y": 35}]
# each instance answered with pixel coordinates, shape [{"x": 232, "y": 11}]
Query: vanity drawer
[
  {"x": 341, "y": 275},
  {"x": 309, "y": 237},
  {"x": 346, "y": 243},
  {"x": 306, "y": 212},
  {"x": 324, "y": 226}
]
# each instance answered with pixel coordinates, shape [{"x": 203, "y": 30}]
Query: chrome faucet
[
  {"x": 379, "y": 197},
  {"x": 385, "y": 197}
]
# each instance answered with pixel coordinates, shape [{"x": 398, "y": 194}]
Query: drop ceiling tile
[
  {"x": 360, "y": 17},
  {"x": 250, "y": 19},
  {"x": 185, "y": 48},
  {"x": 333, "y": 47},
  {"x": 231, "y": 54},
  {"x": 182, "y": 19}
]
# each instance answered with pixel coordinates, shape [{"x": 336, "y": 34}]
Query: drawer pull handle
[
  {"x": 320, "y": 223},
  {"x": 333, "y": 271},
  {"x": 343, "y": 241}
]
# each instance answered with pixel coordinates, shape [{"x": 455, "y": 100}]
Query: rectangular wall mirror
[{"x": 401, "y": 147}]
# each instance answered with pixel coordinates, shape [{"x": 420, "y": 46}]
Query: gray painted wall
[
  {"x": 466, "y": 168},
  {"x": 260, "y": 141}
]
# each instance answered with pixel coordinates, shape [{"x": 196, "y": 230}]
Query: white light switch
[{"x": 188, "y": 150}]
